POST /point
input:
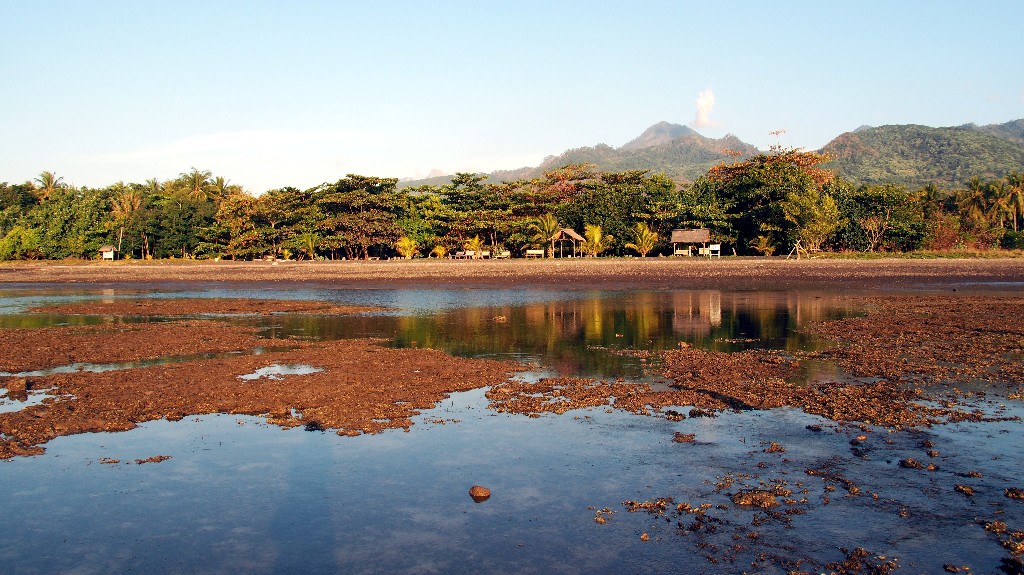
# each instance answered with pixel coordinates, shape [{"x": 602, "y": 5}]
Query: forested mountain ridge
[
  {"x": 914, "y": 155},
  {"x": 672, "y": 149}
]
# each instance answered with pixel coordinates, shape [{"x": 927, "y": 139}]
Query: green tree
[
  {"x": 596, "y": 241},
  {"x": 48, "y": 184},
  {"x": 814, "y": 214},
  {"x": 407, "y": 247},
  {"x": 545, "y": 229},
  {"x": 644, "y": 239}
]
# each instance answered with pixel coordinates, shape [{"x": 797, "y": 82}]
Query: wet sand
[{"x": 569, "y": 273}]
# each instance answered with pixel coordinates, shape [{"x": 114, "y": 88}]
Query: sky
[{"x": 273, "y": 94}]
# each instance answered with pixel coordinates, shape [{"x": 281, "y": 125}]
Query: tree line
[{"x": 762, "y": 205}]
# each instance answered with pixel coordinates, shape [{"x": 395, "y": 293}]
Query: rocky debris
[
  {"x": 965, "y": 489},
  {"x": 775, "y": 448},
  {"x": 860, "y": 561},
  {"x": 479, "y": 493},
  {"x": 154, "y": 459},
  {"x": 755, "y": 498},
  {"x": 364, "y": 387},
  {"x": 1015, "y": 493},
  {"x": 911, "y": 463},
  {"x": 684, "y": 437},
  {"x": 193, "y": 307},
  {"x": 46, "y": 347}
]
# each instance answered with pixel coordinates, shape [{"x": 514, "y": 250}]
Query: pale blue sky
[{"x": 270, "y": 94}]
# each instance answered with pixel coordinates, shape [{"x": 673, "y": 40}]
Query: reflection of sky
[{"x": 239, "y": 495}]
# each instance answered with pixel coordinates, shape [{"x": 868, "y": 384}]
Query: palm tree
[
  {"x": 974, "y": 203},
  {"x": 1001, "y": 199},
  {"x": 1015, "y": 188},
  {"x": 596, "y": 241},
  {"x": 308, "y": 242},
  {"x": 931, "y": 198},
  {"x": 474, "y": 245},
  {"x": 545, "y": 229},
  {"x": 644, "y": 239},
  {"x": 198, "y": 184},
  {"x": 49, "y": 183},
  {"x": 407, "y": 247},
  {"x": 123, "y": 207}
]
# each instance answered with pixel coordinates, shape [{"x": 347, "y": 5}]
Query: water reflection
[
  {"x": 586, "y": 335},
  {"x": 579, "y": 333}
]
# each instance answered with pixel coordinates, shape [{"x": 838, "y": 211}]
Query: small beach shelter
[
  {"x": 689, "y": 236},
  {"x": 108, "y": 252},
  {"x": 568, "y": 235}
]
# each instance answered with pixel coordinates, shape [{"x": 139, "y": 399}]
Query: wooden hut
[
  {"x": 108, "y": 252},
  {"x": 688, "y": 238},
  {"x": 568, "y": 235}
]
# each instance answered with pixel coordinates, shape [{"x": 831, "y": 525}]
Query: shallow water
[{"x": 241, "y": 495}]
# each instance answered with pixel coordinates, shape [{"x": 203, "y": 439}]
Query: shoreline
[{"x": 564, "y": 274}]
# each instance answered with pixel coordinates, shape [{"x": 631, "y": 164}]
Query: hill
[
  {"x": 677, "y": 151},
  {"x": 915, "y": 155}
]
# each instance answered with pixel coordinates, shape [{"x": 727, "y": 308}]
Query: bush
[{"x": 1012, "y": 241}]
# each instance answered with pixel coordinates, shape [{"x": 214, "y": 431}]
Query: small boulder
[{"x": 479, "y": 493}]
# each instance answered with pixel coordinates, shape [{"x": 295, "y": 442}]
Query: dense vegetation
[
  {"x": 761, "y": 205},
  {"x": 918, "y": 155}
]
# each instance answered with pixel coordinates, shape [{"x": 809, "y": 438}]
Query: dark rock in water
[
  {"x": 479, "y": 493},
  {"x": 673, "y": 415},
  {"x": 314, "y": 425},
  {"x": 755, "y": 498},
  {"x": 911, "y": 463},
  {"x": 965, "y": 489},
  {"x": 684, "y": 437},
  {"x": 698, "y": 412},
  {"x": 815, "y": 428},
  {"x": 1015, "y": 493}
]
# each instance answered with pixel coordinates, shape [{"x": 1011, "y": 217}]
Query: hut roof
[
  {"x": 694, "y": 236},
  {"x": 108, "y": 248},
  {"x": 568, "y": 234}
]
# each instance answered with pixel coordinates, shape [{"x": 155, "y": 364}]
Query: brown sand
[{"x": 569, "y": 273}]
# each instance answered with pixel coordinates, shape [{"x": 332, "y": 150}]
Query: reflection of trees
[{"x": 575, "y": 336}]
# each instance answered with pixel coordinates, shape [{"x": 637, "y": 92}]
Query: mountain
[
  {"x": 658, "y": 134},
  {"x": 915, "y": 155},
  {"x": 677, "y": 151}
]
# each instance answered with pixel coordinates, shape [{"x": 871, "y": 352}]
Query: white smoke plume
[{"x": 705, "y": 104}]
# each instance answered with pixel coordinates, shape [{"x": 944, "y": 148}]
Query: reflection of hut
[
  {"x": 108, "y": 252},
  {"x": 688, "y": 237},
  {"x": 568, "y": 235}
]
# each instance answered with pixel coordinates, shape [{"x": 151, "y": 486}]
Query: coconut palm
[
  {"x": 974, "y": 203},
  {"x": 123, "y": 208},
  {"x": 407, "y": 247},
  {"x": 49, "y": 183},
  {"x": 475, "y": 245},
  {"x": 198, "y": 184},
  {"x": 1015, "y": 189},
  {"x": 595, "y": 240},
  {"x": 644, "y": 239},
  {"x": 545, "y": 229}
]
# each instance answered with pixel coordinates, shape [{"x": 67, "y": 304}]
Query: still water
[{"x": 239, "y": 495}]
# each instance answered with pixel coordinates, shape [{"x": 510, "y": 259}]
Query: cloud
[{"x": 705, "y": 104}]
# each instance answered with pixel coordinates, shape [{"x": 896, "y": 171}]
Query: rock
[
  {"x": 684, "y": 437},
  {"x": 20, "y": 385},
  {"x": 479, "y": 493},
  {"x": 755, "y": 498},
  {"x": 911, "y": 463},
  {"x": 1014, "y": 493}
]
